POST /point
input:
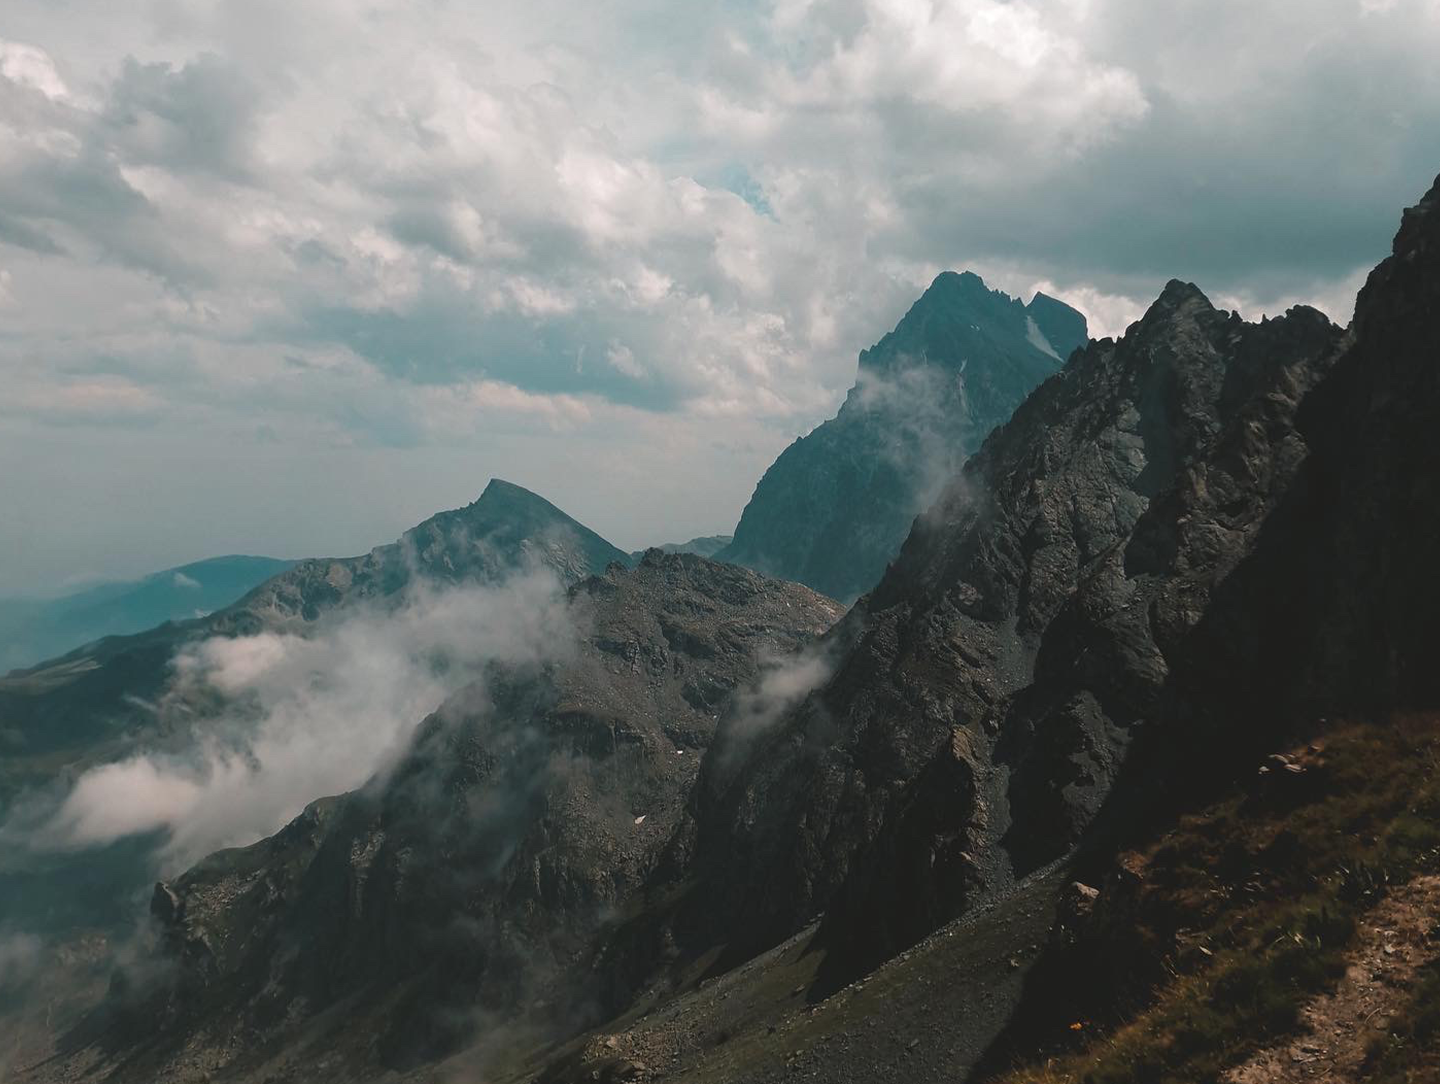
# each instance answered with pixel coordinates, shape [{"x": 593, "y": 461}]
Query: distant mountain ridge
[
  {"x": 705, "y": 546},
  {"x": 834, "y": 507},
  {"x": 36, "y": 629},
  {"x": 506, "y": 528}
]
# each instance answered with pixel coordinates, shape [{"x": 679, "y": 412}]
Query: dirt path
[{"x": 1392, "y": 943}]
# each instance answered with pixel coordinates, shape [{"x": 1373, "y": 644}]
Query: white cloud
[
  {"x": 306, "y": 716},
  {"x": 782, "y": 684},
  {"x": 29, "y": 66},
  {"x": 235, "y": 216}
]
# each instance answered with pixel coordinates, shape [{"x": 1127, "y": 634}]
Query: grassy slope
[{"x": 1245, "y": 911}]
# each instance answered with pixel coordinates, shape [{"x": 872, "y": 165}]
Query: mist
[
  {"x": 303, "y": 716},
  {"x": 925, "y": 410},
  {"x": 19, "y": 958}
]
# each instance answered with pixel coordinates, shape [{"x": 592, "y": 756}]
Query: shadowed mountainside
[{"x": 833, "y": 509}]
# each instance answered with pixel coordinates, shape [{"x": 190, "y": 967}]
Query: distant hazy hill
[
  {"x": 704, "y": 546},
  {"x": 35, "y": 629}
]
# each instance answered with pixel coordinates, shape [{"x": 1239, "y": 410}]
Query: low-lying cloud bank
[{"x": 301, "y": 717}]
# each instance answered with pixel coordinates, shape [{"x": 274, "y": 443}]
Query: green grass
[{"x": 1247, "y": 910}]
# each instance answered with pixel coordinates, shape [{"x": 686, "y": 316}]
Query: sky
[{"x": 288, "y": 277}]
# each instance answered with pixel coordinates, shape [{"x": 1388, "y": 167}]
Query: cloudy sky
[{"x": 286, "y": 276}]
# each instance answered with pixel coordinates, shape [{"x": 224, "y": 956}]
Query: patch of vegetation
[
  {"x": 1244, "y": 912},
  {"x": 1409, "y": 1053}
]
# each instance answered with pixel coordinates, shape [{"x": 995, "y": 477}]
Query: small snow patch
[{"x": 1038, "y": 339}]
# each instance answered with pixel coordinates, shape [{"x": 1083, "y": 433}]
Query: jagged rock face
[
  {"x": 525, "y": 814},
  {"x": 990, "y": 685},
  {"x": 834, "y": 508}
]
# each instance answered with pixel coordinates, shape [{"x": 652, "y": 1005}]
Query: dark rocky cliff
[
  {"x": 833, "y": 509},
  {"x": 1024, "y": 634}
]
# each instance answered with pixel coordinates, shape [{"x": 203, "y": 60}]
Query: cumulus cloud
[
  {"x": 304, "y": 716},
  {"x": 27, "y": 66},
  {"x": 452, "y": 235}
]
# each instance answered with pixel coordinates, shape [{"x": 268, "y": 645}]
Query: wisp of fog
[{"x": 305, "y": 715}]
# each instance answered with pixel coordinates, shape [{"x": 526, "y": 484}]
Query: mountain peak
[
  {"x": 498, "y": 489},
  {"x": 1063, "y": 326},
  {"x": 962, "y": 294},
  {"x": 507, "y": 517},
  {"x": 956, "y": 282},
  {"x": 1179, "y": 300},
  {"x": 505, "y": 529},
  {"x": 1178, "y": 292},
  {"x": 836, "y": 505}
]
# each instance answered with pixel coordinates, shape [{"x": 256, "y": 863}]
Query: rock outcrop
[{"x": 833, "y": 509}]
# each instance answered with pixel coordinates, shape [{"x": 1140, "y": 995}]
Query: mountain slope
[
  {"x": 117, "y": 696},
  {"x": 1188, "y": 549},
  {"x": 471, "y": 881},
  {"x": 36, "y": 629},
  {"x": 835, "y": 506}
]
